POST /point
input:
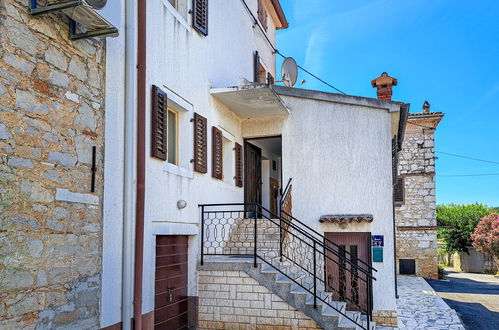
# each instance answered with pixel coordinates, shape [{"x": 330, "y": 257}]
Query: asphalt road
[{"x": 475, "y": 297}]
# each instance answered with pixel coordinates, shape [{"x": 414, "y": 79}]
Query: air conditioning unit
[{"x": 88, "y": 18}]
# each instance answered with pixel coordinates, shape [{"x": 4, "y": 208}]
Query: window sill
[
  {"x": 180, "y": 171},
  {"x": 177, "y": 15}
]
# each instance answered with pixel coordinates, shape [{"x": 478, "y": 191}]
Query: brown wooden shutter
[
  {"x": 262, "y": 15},
  {"x": 200, "y": 144},
  {"x": 200, "y": 16},
  {"x": 394, "y": 160},
  {"x": 256, "y": 66},
  {"x": 270, "y": 79},
  {"x": 217, "y": 154},
  {"x": 398, "y": 191},
  {"x": 239, "y": 165},
  {"x": 159, "y": 117}
]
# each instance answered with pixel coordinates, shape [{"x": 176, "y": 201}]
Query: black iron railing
[{"x": 322, "y": 268}]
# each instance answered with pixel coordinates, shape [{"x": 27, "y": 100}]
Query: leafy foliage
[
  {"x": 486, "y": 235},
  {"x": 457, "y": 222}
]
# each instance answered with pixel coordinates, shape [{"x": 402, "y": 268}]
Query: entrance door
[
  {"x": 170, "y": 306},
  {"x": 252, "y": 174},
  {"x": 347, "y": 284}
]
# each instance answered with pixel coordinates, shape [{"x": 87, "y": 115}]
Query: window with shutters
[
  {"x": 238, "y": 154},
  {"x": 228, "y": 160},
  {"x": 200, "y": 144},
  {"x": 200, "y": 16},
  {"x": 262, "y": 15},
  {"x": 180, "y": 6},
  {"x": 399, "y": 191},
  {"x": 159, "y": 127},
  {"x": 217, "y": 156},
  {"x": 172, "y": 149}
]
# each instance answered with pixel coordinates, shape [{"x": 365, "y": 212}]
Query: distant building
[{"x": 415, "y": 203}]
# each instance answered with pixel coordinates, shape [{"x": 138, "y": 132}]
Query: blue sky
[{"x": 446, "y": 51}]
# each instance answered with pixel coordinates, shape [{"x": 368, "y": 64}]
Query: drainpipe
[
  {"x": 140, "y": 197},
  {"x": 129, "y": 168}
]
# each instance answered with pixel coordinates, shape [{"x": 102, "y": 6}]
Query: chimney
[{"x": 384, "y": 85}]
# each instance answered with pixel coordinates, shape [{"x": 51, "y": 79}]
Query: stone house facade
[
  {"x": 51, "y": 118},
  {"x": 415, "y": 200}
]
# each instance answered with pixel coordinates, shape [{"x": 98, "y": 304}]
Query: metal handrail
[
  {"x": 327, "y": 240},
  {"x": 321, "y": 244},
  {"x": 313, "y": 245},
  {"x": 285, "y": 191},
  {"x": 281, "y": 212}
]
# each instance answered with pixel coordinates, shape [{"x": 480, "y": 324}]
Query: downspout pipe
[
  {"x": 140, "y": 196},
  {"x": 128, "y": 247}
]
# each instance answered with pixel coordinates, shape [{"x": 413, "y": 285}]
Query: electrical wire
[
  {"x": 467, "y": 157},
  {"x": 255, "y": 22},
  {"x": 454, "y": 175}
]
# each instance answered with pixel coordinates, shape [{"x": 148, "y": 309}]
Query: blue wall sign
[
  {"x": 378, "y": 240},
  {"x": 377, "y": 254}
]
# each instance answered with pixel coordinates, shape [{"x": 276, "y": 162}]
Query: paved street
[
  {"x": 419, "y": 307},
  {"x": 475, "y": 297}
]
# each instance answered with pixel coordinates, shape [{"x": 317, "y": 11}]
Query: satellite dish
[{"x": 289, "y": 72}]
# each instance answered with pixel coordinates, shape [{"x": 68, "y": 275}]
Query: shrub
[
  {"x": 486, "y": 235},
  {"x": 457, "y": 223}
]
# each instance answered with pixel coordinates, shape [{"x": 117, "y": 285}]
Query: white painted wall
[
  {"x": 339, "y": 157},
  {"x": 113, "y": 202},
  {"x": 266, "y": 183},
  {"x": 351, "y": 175},
  {"x": 186, "y": 65}
]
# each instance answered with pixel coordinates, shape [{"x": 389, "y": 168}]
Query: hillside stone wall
[{"x": 51, "y": 115}]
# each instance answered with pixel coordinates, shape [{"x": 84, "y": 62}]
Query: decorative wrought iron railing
[{"x": 331, "y": 274}]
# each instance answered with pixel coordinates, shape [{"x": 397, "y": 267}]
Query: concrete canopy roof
[
  {"x": 394, "y": 108},
  {"x": 251, "y": 101}
]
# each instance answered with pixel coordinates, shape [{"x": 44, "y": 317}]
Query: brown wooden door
[
  {"x": 170, "y": 305},
  {"x": 344, "y": 281},
  {"x": 252, "y": 174}
]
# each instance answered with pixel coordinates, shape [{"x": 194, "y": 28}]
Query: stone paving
[{"x": 419, "y": 307}]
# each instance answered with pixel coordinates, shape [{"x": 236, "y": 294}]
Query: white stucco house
[{"x": 205, "y": 156}]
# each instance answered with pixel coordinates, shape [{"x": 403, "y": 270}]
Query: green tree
[{"x": 457, "y": 222}]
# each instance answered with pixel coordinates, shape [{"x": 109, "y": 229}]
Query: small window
[
  {"x": 172, "y": 136},
  {"x": 180, "y": 6},
  {"x": 262, "y": 15},
  {"x": 407, "y": 267},
  {"x": 228, "y": 160}
]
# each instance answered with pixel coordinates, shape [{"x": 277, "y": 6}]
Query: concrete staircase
[
  {"x": 242, "y": 236},
  {"x": 271, "y": 277},
  {"x": 283, "y": 278}
]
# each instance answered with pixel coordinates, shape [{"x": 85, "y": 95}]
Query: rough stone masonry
[
  {"x": 415, "y": 212},
  {"x": 51, "y": 115}
]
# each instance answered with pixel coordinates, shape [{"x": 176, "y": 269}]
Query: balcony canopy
[{"x": 251, "y": 101}]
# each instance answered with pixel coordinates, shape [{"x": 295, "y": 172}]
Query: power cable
[
  {"x": 454, "y": 175},
  {"x": 467, "y": 157},
  {"x": 255, "y": 22}
]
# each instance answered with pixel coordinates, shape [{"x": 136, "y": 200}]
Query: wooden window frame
[
  {"x": 263, "y": 16},
  {"x": 214, "y": 157},
  {"x": 176, "y": 135},
  {"x": 200, "y": 165},
  {"x": 201, "y": 29},
  {"x": 239, "y": 165},
  {"x": 157, "y": 94},
  {"x": 402, "y": 184}
]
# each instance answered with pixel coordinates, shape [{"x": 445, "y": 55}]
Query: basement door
[
  {"x": 348, "y": 284},
  {"x": 252, "y": 174},
  {"x": 170, "y": 304}
]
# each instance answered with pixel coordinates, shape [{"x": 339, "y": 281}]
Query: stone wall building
[
  {"x": 51, "y": 116},
  {"x": 415, "y": 203}
]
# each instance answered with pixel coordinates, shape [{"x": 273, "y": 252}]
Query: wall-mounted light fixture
[{"x": 181, "y": 204}]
